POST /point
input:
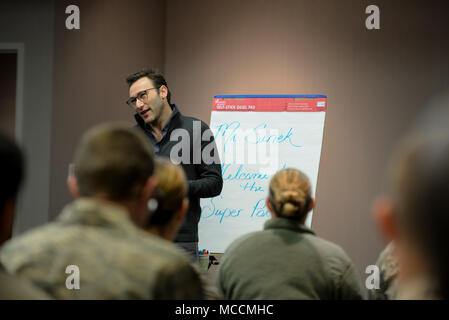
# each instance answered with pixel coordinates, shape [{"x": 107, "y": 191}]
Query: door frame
[{"x": 19, "y": 49}]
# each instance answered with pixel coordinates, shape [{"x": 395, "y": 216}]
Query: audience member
[
  {"x": 170, "y": 208},
  {"x": 171, "y": 202},
  {"x": 388, "y": 282},
  {"x": 414, "y": 215},
  {"x": 287, "y": 260},
  {"x": 12, "y": 172},
  {"x": 98, "y": 239}
]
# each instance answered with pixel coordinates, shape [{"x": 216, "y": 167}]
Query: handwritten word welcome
[{"x": 240, "y": 174}]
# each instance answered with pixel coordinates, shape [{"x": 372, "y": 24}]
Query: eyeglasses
[{"x": 142, "y": 96}]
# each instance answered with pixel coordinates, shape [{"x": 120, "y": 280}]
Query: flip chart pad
[{"x": 256, "y": 136}]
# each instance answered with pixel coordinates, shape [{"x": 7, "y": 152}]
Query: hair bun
[
  {"x": 290, "y": 196},
  {"x": 289, "y": 209},
  {"x": 289, "y": 192},
  {"x": 291, "y": 202}
]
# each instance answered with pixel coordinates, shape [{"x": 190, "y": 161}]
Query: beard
[{"x": 156, "y": 110}]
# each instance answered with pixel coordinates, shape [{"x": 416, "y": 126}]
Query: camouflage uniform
[
  {"x": 116, "y": 259},
  {"x": 419, "y": 288},
  {"x": 16, "y": 289},
  {"x": 210, "y": 290},
  {"x": 388, "y": 268}
]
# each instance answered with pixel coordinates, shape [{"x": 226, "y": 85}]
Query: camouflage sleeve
[
  {"x": 388, "y": 267},
  {"x": 178, "y": 281},
  {"x": 219, "y": 281},
  {"x": 209, "y": 289}
]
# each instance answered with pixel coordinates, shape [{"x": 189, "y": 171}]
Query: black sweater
[{"x": 204, "y": 180}]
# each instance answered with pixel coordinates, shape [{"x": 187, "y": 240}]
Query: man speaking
[{"x": 168, "y": 129}]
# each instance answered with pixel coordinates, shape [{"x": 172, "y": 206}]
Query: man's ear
[
  {"x": 384, "y": 215},
  {"x": 312, "y": 204},
  {"x": 163, "y": 91},
  {"x": 72, "y": 184},
  {"x": 270, "y": 207}
]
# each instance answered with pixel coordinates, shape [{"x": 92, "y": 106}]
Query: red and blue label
[{"x": 270, "y": 103}]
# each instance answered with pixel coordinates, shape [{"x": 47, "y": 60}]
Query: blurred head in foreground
[
  {"x": 11, "y": 172},
  {"x": 115, "y": 163},
  {"x": 415, "y": 215},
  {"x": 100, "y": 236},
  {"x": 290, "y": 195},
  {"x": 170, "y": 198}
]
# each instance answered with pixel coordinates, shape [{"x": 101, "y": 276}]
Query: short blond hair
[
  {"x": 170, "y": 192},
  {"x": 115, "y": 160}
]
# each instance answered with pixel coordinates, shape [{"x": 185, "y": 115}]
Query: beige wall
[
  {"x": 116, "y": 38},
  {"x": 375, "y": 81}
]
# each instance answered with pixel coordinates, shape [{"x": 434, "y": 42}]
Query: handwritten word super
[{"x": 211, "y": 210}]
